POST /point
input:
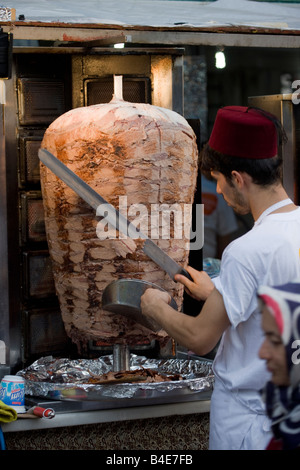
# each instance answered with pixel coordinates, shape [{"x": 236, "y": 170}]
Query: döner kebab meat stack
[{"x": 140, "y": 151}]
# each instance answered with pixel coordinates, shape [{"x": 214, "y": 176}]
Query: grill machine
[{"x": 45, "y": 83}]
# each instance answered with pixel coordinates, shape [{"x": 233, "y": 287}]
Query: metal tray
[{"x": 65, "y": 379}]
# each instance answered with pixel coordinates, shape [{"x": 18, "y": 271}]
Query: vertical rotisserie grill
[{"x": 45, "y": 84}]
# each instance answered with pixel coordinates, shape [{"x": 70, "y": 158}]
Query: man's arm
[{"x": 201, "y": 333}]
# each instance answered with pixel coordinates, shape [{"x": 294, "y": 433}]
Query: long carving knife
[{"x": 112, "y": 215}]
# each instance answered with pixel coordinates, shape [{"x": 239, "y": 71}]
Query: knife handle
[{"x": 184, "y": 272}]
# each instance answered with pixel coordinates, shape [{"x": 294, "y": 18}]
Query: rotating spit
[{"x": 121, "y": 357}]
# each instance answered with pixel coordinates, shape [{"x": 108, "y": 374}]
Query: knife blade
[{"x": 113, "y": 216}]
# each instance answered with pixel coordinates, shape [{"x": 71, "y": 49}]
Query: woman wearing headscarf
[{"x": 281, "y": 350}]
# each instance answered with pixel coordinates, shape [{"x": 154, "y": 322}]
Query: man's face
[
  {"x": 232, "y": 194},
  {"x": 273, "y": 351}
]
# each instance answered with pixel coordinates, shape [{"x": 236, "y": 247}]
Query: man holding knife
[{"x": 242, "y": 156}]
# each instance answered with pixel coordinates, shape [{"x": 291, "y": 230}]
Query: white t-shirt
[
  {"x": 219, "y": 218},
  {"x": 268, "y": 254}
]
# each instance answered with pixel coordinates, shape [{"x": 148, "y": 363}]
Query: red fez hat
[{"x": 244, "y": 132}]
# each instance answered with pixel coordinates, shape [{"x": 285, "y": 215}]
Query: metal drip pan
[{"x": 65, "y": 380}]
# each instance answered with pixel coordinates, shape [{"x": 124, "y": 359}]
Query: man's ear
[{"x": 238, "y": 178}]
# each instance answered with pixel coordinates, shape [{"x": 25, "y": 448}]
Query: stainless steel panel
[
  {"x": 165, "y": 79},
  {"x": 45, "y": 333},
  {"x": 38, "y": 282},
  {"x": 29, "y": 164},
  {"x": 4, "y": 292},
  {"x": 32, "y": 223},
  {"x": 100, "y": 90},
  {"x": 9, "y": 222},
  {"x": 40, "y": 100}
]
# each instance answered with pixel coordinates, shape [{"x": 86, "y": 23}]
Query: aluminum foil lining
[{"x": 65, "y": 378}]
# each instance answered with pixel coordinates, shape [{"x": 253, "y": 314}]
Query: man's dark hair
[{"x": 263, "y": 171}]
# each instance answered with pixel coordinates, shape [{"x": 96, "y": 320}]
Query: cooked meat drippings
[{"x": 136, "y": 376}]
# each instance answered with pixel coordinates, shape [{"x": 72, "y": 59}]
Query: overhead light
[
  {"x": 119, "y": 45},
  {"x": 220, "y": 60}
]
